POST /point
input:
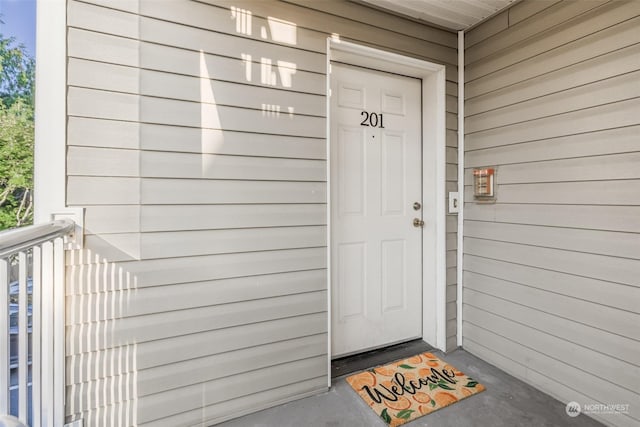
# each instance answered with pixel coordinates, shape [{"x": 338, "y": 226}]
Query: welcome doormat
[{"x": 410, "y": 388}]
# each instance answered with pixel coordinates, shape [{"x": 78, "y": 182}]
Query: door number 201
[{"x": 372, "y": 119}]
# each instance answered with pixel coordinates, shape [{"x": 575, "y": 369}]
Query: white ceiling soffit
[{"x": 451, "y": 14}]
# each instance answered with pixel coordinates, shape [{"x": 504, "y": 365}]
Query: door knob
[
  {"x": 417, "y": 222},
  {"x": 417, "y": 206}
]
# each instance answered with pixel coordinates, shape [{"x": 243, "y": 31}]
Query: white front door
[{"x": 376, "y": 193}]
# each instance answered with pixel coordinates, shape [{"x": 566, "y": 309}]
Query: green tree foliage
[
  {"x": 17, "y": 73},
  {"x": 16, "y": 167},
  {"x": 16, "y": 134}
]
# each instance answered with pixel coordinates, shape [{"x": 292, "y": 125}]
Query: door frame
[{"x": 433, "y": 176}]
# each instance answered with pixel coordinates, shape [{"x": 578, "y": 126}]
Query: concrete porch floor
[{"x": 507, "y": 402}]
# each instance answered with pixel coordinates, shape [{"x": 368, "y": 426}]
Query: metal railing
[{"x": 32, "y": 323}]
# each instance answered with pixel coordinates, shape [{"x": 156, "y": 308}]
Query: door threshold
[{"x": 377, "y": 357}]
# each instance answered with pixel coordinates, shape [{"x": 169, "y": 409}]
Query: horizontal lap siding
[
  {"x": 196, "y": 145},
  {"x": 551, "y": 269}
]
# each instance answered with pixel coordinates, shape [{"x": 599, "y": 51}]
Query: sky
[{"x": 19, "y": 17}]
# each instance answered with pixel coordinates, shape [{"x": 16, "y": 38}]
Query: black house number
[{"x": 372, "y": 119}]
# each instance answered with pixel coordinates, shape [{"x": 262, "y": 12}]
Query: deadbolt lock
[
  {"x": 417, "y": 206},
  {"x": 417, "y": 222}
]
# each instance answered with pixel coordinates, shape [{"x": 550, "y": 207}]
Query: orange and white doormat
[{"x": 402, "y": 391}]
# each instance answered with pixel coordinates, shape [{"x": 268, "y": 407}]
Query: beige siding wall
[
  {"x": 196, "y": 143},
  {"x": 551, "y": 269}
]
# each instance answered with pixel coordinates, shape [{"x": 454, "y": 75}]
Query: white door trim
[{"x": 433, "y": 175}]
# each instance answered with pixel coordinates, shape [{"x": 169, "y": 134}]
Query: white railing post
[
  {"x": 36, "y": 336},
  {"x": 58, "y": 332},
  {"x": 46, "y": 362},
  {"x": 23, "y": 337},
  {"x": 4, "y": 337}
]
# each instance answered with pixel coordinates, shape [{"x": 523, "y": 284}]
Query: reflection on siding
[{"x": 101, "y": 367}]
